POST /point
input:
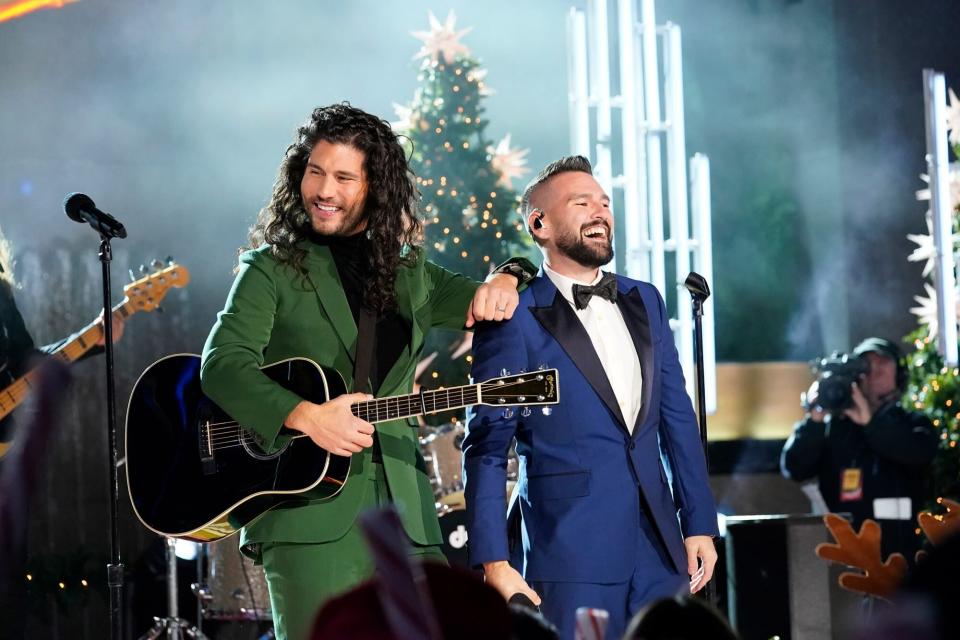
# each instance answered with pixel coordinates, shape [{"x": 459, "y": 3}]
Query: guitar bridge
[{"x": 208, "y": 464}]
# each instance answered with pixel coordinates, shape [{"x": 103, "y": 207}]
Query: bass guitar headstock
[{"x": 146, "y": 293}]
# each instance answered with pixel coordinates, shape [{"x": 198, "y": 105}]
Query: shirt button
[{"x": 633, "y": 445}]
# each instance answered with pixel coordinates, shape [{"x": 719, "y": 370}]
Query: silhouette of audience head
[
  {"x": 679, "y": 618},
  {"x": 465, "y": 607}
]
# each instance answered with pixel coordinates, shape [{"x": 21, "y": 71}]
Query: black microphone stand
[
  {"x": 115, "y": 568},
  {"x": 77, "y": 206},
  {"x": 696, "y": 284}
]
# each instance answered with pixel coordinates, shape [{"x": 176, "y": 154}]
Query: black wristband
[{"x": 520, "y": 268}]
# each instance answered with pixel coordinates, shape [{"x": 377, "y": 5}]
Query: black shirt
[{"x": 393, "y": 332}]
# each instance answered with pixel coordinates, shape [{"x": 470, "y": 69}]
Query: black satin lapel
[
  {"x": 561, "y": 321},
  {"x": 638, "y": 323}
]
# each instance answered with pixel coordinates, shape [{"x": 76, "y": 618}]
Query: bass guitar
[
  {"x": 144, "y": 294},
  {"x": 195, "y": 473}
]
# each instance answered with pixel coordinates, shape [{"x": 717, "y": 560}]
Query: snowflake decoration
[
  {"x": 442, "y": 39},
  {"x": 508, "y": 163}
]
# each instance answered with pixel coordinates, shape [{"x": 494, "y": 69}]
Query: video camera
[{"x": 836, "y": 374}]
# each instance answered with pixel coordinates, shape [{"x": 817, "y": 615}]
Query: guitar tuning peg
[
  {"x": 504, "y": 372},
  {"x": 507, "y": 413},
  {"x": 133, "y": 278},
  {"x": 143, "y": 269},
  {"x": 525, "y": 412},
  {"x": 541, "y": 367},
  {"x": 159, "y": 309},
  {"x": 523, "y": 370},
  {"x": 156, "y": 264},
  {"x": 169, "y": 261},
  {"x": 547, "y": 410}
]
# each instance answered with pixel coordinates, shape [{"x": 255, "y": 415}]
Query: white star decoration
[
  {"x": 954, "y": 186},
  {"x": 442, "y": 39},
  {"x": 404, "y": 120},
  {"x": 422, "y": 367},
  {"x": 478, "y": 75},
  {"x": 953, "y": 118},
  {"x": 462, "y": 348},
  {"x": 509, "y": 163},
  {"x": 471, "y": 213},
  {"x": 925, "y": 249},
  {"x": 927, "y": 311}
]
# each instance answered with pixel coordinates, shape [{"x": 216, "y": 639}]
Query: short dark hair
[{"x": 563, "y": 165}]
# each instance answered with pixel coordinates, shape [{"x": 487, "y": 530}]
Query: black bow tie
[{"x": 606, "y": 289}]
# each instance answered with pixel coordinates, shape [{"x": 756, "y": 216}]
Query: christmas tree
[
  {"x": 465, "y": 181},
  {"x": 933, "y": 388}
]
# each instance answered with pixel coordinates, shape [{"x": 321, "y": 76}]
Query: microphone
[
  {"x": 521, "y": 600},
  {"x": 80, "y": 208},
  {"x": 697, "y": 285}
]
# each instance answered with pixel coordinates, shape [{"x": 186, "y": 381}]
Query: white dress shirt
[{"x": 611, "y": 340}]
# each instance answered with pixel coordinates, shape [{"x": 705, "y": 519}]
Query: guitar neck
[
  {"x": 416, "y": 404},
  {"x": 76, "y": 347},
  {"x": 70, "y": 351}
]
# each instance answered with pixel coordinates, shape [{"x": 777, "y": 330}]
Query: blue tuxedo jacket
[{"x": 585, "y": 482}]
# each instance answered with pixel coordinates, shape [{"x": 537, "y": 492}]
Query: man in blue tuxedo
[{"x": 601, "y": 526}]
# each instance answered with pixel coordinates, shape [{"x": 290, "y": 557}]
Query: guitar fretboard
[
  {"x": 416, "y": 404},
  {"x": 16, "y": 393}
]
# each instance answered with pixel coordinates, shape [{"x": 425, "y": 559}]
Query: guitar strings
[
  {"x": 386, "y": 408},
  {"x": 222, "y": 435}
]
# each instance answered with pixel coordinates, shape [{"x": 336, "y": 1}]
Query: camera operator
[{"x": 868, "y": 454}]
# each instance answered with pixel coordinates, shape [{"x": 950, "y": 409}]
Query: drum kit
[
  {"x": 441, "y": 448},
  {"x": 231, "y": 590},
  {"x": 234, "y": 589}
]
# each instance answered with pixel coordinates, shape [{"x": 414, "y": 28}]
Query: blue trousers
[{"x": 654, "y": 577}]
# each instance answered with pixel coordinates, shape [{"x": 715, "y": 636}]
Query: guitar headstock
[
  {"x": 533, "y": 388},
  {"x": 146, "y": 293}
]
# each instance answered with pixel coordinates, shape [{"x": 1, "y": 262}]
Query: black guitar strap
[{"x": 366, "y": 336}]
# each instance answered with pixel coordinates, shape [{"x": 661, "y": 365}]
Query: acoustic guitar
[{"x": 195, "y": 473}]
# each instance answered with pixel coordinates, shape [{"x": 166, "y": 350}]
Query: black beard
[{"x": 583, "y": 254}]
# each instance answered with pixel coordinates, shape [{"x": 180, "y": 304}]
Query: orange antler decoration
[
  {"x": 862, "y": 551},
  {"x": 940, "y": 527}
]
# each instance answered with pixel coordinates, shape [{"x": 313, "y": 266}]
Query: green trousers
[{"x": 301, "y": 577}]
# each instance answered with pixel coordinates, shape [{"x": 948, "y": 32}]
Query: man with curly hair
[{"x": 339, "y": 238}]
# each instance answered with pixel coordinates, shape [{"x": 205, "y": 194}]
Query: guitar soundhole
[{"x": 254, "y": 450}]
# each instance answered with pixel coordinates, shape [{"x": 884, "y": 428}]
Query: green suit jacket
[{"x": 272, "y": 314}]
